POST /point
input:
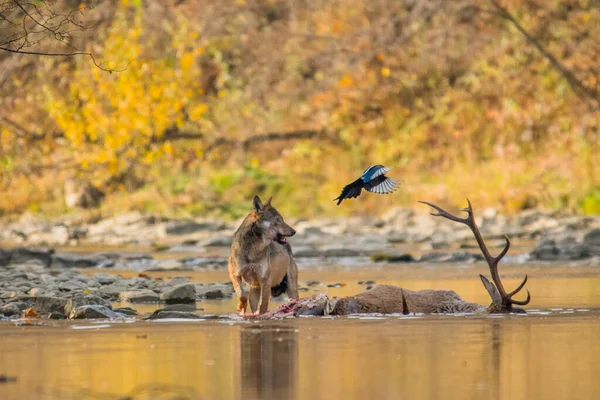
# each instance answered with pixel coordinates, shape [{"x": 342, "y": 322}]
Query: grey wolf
[{"x": 262, "y": 257}]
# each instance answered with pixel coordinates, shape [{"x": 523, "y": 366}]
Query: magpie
[{"x": 373, "y": 180}]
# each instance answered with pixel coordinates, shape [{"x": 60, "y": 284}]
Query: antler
[{"x": 507, "y": 301}]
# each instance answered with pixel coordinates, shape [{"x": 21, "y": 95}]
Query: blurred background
[{"x": 189, "y": 108}]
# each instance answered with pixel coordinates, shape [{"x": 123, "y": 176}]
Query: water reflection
[{"x": 269, "y": 357}]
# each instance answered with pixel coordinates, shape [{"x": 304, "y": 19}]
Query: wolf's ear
[
  {"x": 258, "y": 205},
  {"x": 268, "y": 203}
]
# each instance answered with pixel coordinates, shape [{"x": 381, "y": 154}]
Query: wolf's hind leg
[
  {"x": 254, "y": 298},
  {"x": 265, "y": 295},
  {"x": 292, "y": 280}
]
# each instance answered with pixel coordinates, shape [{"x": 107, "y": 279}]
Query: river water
[{"x": 551, "y": 353}]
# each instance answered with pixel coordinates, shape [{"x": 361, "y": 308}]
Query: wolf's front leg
[
  {"x": 254, "y": 299},
  {"x": 265, "y": 295},
  {"x": 236, "y": 280}
]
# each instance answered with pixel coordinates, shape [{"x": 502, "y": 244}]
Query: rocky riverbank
[
  {"x": 398, "y": 236},
  {"x": 37, "y": 291},
  {"x": 41, "y": 281}
]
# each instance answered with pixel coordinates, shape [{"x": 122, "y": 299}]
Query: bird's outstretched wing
[
  {"x": 350, "y": 191},
  {"x": 373, "y": 172},
  {"x": 382, "y": 184}
]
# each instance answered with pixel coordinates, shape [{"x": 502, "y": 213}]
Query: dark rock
[
  {"x": 392, "y": 258},
  {"x": 111, "y": 292},
  {"x": 340, "y": 252},
  {"x": 180, "y": 307},
  {"x": 139, "y": 296},
  {"x": 186, "y": 227},
  {"x": 80, "y": 300},
  {"x": 23, "y": 255},
  {"x": 105, "y": 279},
  {"x": 335, "y": 285},
  {"x": 46, "y": 305},
  {"x": 94, "y": 312},
  {"x": 6, "y": 378},
  {"x": 450, "y": 257},
  {"x": 162, "y": 314},
  {"x": 126, "y": 311},
  {"x": 70, "y": 260},
  {"x": 183, "y": 293},
  {"x": 204, "y": 262},
  {"x": 549, "y": 250},
  {"x": 22, "y": 306},
  {"x": 312, "y": 283},
  {"x": 71, "y": 286},
  {"x": 57, "y": 315},
  {"x": 10, "y": 309},
  {"x": 592, "y": 238},
  {"x": 5, "y": 257}
]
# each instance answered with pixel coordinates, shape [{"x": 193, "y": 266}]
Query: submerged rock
[
  {"x": 163, "y": 313},
  {"x": 180, "y": 307}
]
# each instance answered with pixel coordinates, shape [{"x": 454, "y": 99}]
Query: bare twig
[{"x": 580, "y": 89}]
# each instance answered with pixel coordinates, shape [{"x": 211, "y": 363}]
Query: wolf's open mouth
[{"x": 280, "y": 239}]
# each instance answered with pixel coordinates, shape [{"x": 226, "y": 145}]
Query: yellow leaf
[
  {"x": 385, "y": 72},
  {"x": 198, "y": 111},
  {"x": 186, "y": 62},
  {"x": 346, "y": 81},
  {"x": 168, "y": 148}
]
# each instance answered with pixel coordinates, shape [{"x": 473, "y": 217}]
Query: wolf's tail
[{"x": 280, "y": 289}]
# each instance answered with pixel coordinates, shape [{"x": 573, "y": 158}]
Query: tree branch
[
  {"x": 582, "y": 91},
  {"x": 76, "y": 53}
]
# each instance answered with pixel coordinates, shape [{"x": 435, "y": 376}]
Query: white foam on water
[
  {"x": 178, "y": 320},
  {"x": 99, "y": 326}
]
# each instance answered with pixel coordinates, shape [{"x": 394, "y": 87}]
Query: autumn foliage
[{"x": 221, "y": 100}]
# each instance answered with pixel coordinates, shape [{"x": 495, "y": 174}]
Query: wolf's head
[{"x": 271, "y": 222}]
